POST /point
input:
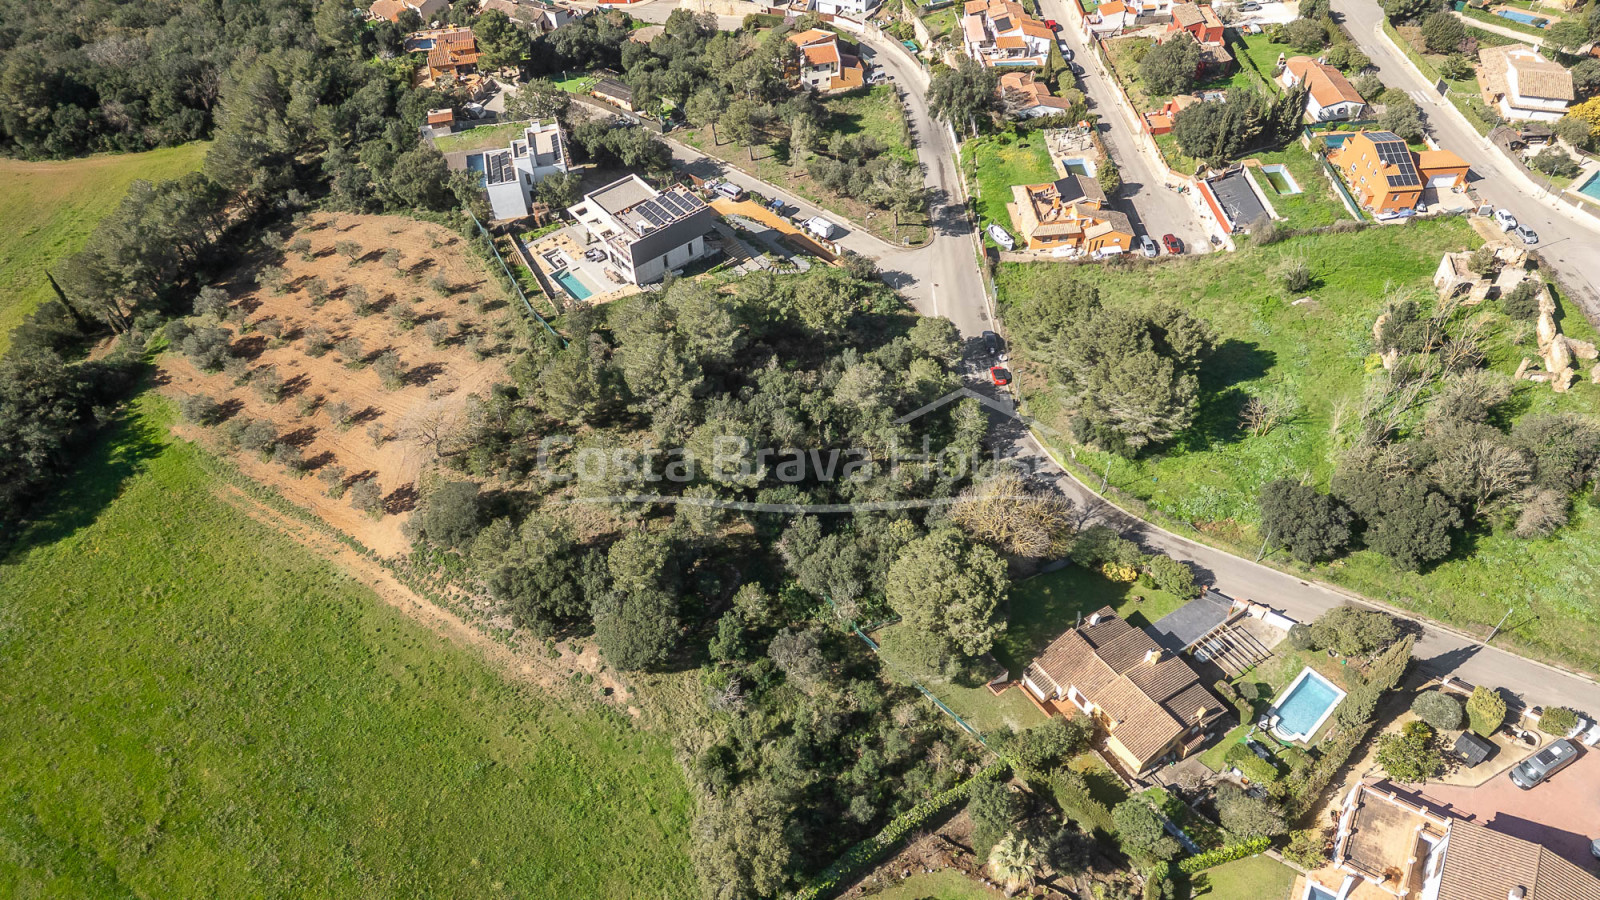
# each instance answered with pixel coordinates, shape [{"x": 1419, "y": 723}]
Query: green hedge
[
  {"x": 868, "y": 851},
  {"x": 1201, "y": 861}
]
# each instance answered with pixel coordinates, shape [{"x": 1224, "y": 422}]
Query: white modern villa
[
  {"x": 645, "y": 233},
  {"x": 510, "y": 174}
]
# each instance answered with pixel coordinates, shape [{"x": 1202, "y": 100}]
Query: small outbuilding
[{"x": 1473, "y": 749}]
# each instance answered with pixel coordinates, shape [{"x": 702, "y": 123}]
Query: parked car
[
  {"x": 1148, "y": 247},
  {"x": 821, "y": 227},
  {"x": 999, "y": 376},
  {"x": 1505, "y": 219},
  {"x": 1001, "y": 236},
  {"x": 1249, "y": 6},
  {"x": 1052, "y": 24},
  {"x": 1528, "y": 235},
  {"x": 993, "y": 346},
  {"x": 1076, "y": 69},
  {"x": 730, "y": 190},
  {"x": 1537, "y": 768},
  {"x": 1066, "y": 52},
  {"x": 1173, "y": 245}
]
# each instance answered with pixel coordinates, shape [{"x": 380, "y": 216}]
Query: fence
[{"x": 511, "y": 278}]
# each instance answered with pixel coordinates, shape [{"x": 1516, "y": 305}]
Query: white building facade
[{"x": 510, "y": 174}]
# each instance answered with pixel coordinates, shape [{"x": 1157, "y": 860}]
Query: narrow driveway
[{"x": 1569, "y": 240}]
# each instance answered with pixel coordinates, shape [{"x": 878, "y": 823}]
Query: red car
[
  {"x": 999, "y": 375},
  {"x": 1173, "y": 245},
  {"x": 1052, "y": 24}
]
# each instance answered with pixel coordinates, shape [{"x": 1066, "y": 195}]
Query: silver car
[
  {"x": 1540, "y": 766},
  {"x": 1148, "y": 247},
  {"x": 1528, "y": 235}
]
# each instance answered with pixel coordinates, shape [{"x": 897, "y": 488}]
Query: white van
[{"x": 821, "y": 227}]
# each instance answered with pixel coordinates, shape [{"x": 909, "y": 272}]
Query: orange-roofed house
[
  {"x": 391, "y": 10},
  {"x": 1149, "y": 702},
  {"x": 1200, "y": 21},
  {"x": 1387, "y": 177},
  {"x": 1027, "y": 97},
  {"x": 1110, "y": 19},
  {"x": 827, "y": 63},
  {"x": 1001, "y": 33},
  {"x": 1161, "y": 121},
  {"x": 1329, "y": 95},
  {"x": 452, "y": 52},
  {"x": 1070, "y": 213}
]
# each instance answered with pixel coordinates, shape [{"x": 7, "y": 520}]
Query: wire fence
[{"x": 511, "y": 279}]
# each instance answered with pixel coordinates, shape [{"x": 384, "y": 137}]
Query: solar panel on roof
[{"x": 676, "y": 203}]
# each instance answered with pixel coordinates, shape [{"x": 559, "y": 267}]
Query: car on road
[
  {"x": 993, "y": 346},
  {"x": 1537, "y": 768},
  {"x": 1173, "y": 245},
  {"x": 1052, "y": 24},
  {"x": 1076, "y": 69},
  {"x": 1066, "y": 52},
  {"x": 1148, "y": 247},
  {"x": 1505, "y": 219},
  {"x": 1001, "y": 236},
  {"x": 1249, "y": 6},
  {"x": 999, "y": 376},
  {"x": 1528, "y": 235},
  {"x": 730, "y": 190}
]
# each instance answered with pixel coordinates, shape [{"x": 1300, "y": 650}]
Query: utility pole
[
  {"x": 1264, "y": 541},
  {"x": 1497, "y": 625},
  {"x": 1106, "y": 478}
]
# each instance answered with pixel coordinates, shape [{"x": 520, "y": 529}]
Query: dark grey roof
[
  {"x": 1079, "y": 187},
  {"x": 1180, "y": 629},
  {"x": 1472, "y": 748},
  {"x": 497, "y": 167},
  {"x": 675, "y": 234},
  {"x": 610, "y": 87},
  {"x": 1238, "y": 201}
]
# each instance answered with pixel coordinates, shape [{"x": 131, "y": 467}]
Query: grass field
[
  {"x": 1318, "y": 354},
  {"x": 195, "y": 706},
  {"x": 1044, "y": 606},
  {"x": 47, "y": 210},
  {"x": 1251, "y": 878},
  {"x": 946, "y": 884},
  {"x": 994, "y": 164},
  {"x": 482, "y": 137}
]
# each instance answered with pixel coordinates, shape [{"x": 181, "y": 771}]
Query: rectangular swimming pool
[
  {"x": 1522, "y": 17},
  {"x": 1591, "y": 188},
  {"x": 573, "y": 285},
  {"x": 1306, "y": 704}
]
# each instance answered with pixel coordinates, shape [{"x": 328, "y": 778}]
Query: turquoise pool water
[
  {"x": 1334, "y": 139},
  {"x": 573, "y": 285},
  {"x": 1522, "y": 17},
  {"x": 1591, "y": 188},
  {"x": 1302, "y": 709}
]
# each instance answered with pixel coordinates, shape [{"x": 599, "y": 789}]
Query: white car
[
  {"x": 1001, "y": 237},
  {"x": 1505, "y": 219},
  {"x": 1148, "y": 247}
]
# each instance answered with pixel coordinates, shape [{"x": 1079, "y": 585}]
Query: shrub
[
  {"x": 1254, "y": 767},
  {"x": 1558, "y": 721},
  {"x": 1486, "y": 711},
  {"x": 318, "y": 341},
  {"x": 440, "y": 285},
  {"x": 438, "y": 333},
  {"x": 199, "y": 409},
  {"x": 1455, "y": 67},
  {"x": 333, "y": 478},
  {"x": 404, "y": 315},
  {"x": 1201, "y": 861},
  {"x": 268, "y": 384},
  {"x": 367, "y": 497},
  {"x": 1522, "y": 303},
  {"x": 1438, "y": 709},
  {"x": 1172, "y": 576},
  {"x": 290, "y": 457},
  {"x": 1412, "y": 755},
  {"x": 1250, "y": 690},
  {"x": 1302, "y": 637},
  {"x": 354, "y": 354},
  {"x": 1355, "y": 632},
  {"x": 390, "y": 370},
  {"x": 360, "y": 302},
  {"x": 317, "y": 291},
  {"x": 257, "y": 435},
  {"x": 1295, "y": 273},
  {"x": 1308, "y": 848}
]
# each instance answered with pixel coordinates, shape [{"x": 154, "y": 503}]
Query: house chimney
[
  {"x": 1152, "y": 657},
  {"x": 1517, "y": 893},
  {"x": 1094, "y": 619}
]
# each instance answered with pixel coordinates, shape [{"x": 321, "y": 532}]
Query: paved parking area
[{"x": 1560, "y": 814}]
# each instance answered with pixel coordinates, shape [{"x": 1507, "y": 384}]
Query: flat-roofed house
[
  {"x": 1521, "y": 84},
  {"x": 1001, "y": 33},
  {"x": 535, "y": 15},
  {"x": 1069, "y": 213},
  {"x": 645, "y": 233},
  {"x": 1151, "y": 705},
  {"x": 510, "y": 174},
  {"x": 1403, "y": 848},
  {"x": 1387, "y": 177},
  {"x": 1027, "y": 97},
  {"x": 1329, "y": 95}
]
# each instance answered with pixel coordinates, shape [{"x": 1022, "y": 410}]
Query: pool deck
[{"x": 593, "y": 275}]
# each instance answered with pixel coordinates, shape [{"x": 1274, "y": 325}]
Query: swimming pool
[
  {"x": 1303, "y": 708},
  {"x": 1333, "y": 140},
  {"x": 1278, "y": 176},
  {"x": 1522, "y": 17},
  {"x": 1590, "y": 188},
  {"x": 573, "y": 285}
]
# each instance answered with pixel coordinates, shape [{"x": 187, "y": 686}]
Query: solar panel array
[
  {"x": 1393, "y": 152},
  {"x": 664, "y": 209},
  {"x": 498, "y": 168}
]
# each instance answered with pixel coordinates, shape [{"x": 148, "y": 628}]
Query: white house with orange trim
[
  {"x": 827, "y": 63},
  {"x": 1330, "y": 96},
  {"x": 1001, "y": 33}
]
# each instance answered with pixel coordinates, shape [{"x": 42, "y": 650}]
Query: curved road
[{"x": 943, "y": 279}]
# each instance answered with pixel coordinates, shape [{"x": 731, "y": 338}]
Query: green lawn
[
  {"x": 996, "y": 163},
  {"x": 1261, "y": 50},
  {"x": 875, "y": 112},
  {"x": 1316, "y": 204},
  {"x": 946, "y": 884},
  {"x": 48, "y": 210},
  {"x": 1318, "y": 355},
  {"x": 481, "y": 138},
  {"x": 574, "y": 82},
  {"x": 1251, "y": 878},
  {"x": 195, "y": 706},
  {"x": 1044, "y": 606}
]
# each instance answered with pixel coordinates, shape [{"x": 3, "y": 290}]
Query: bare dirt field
[{"x": 455, "y": 347}]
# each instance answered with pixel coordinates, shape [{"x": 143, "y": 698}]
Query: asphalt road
[
  {"x": 943, "y": 279},
  {"x": 1569, "y": 240}
]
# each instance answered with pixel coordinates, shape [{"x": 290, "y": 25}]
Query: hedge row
[
  {"x": 868, "y": 851},
  {"x": 1201, "y": 861}
]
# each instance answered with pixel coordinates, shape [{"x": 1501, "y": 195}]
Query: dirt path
[{"x": 552, "y": 674}]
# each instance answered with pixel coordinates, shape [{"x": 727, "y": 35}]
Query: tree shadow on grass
[{"x": 120, "y": 453}]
